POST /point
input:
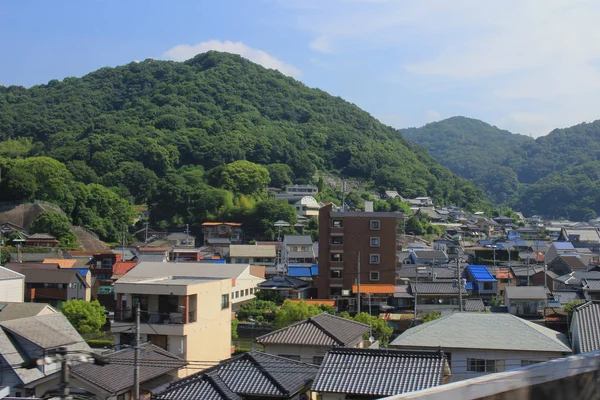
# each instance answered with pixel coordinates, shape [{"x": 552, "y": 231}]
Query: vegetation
[
  {"x": 234, "y": 328},
  {"x": 432, "y": 316},
  {"x": 86, "y": 317},
  {"x": 263, "y": 309},
  {"x": 101, "y": 343},
  {"x": 291, "y": 312},
  {"x": 197, "y": 141},
  {"x": 381, "y": 330},
  {"x": 571, "y": 305},
  {"x": 557, "y": 175},
  {"x": 57, "y": 225}
]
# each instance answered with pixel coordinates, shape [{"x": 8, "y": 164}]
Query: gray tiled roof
[
  {"x": 483, "y": 331},
  {"x": 591, "y": 284},
  {"x": 410, "y": 271},
  {"x": 206, "y": 387},
  {"x": 434, "y": 288},
  {"x": 321, "y": 330},
  {"x": 10, "y": 310},
  {"x": 6, "y": 273},
  {"x": 474, "y": 305},
  {"x": 251, "y": 374},
  {"x": 116, "y": 376},
  {"x": 378, "y": 373},
  {"x": 587, "y": 319},
  {"x": 46, "y": 331},
  {"x": 14, "y": 357},
  {"x": 525, "y": 292},
  {"x": 297, "y": 239},
  {"x": 565, "y": 296}
]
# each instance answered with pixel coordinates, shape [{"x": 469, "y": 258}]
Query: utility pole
[
  {"x": 459, "y": 282},
  {"x": 187, "y": 234},
  {"x": 136, "y": 356},
  {"x": 146, "y": 236},
  {"x": 509, "y": 266},
  {"x": 64, "y": 374},
  {"x": 416, "y": 294},
  {"x": 358, "y": 286}
]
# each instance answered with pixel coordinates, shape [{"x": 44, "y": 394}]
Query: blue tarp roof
[
  {"x": 314, "y": 270},
  {"x": 480, "y": 273},
  {"x": 564, "y": 246},
  {"x": 299, "y": 271},
  {"x": 469, "y": 286},
  {"x": 83, "y": 271}
]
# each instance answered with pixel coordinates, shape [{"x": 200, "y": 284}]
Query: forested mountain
[
  {"x": 557, "y": 175},
  {"x": 150, "y": 130}
]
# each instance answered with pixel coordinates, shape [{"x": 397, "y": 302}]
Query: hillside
[
  {"x": 555, "y": 175},
  {"x": 149, "y": 130}
]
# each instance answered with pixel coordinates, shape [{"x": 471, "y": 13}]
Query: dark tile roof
[
  {"x": 251, "y": 374},
  {"x": 434, "y": 288},
  {"x": 117, "y": 376},
  {"x": 572, "y": 261},
  {"x": 591, "y": 284},
  {"x": 410, "y": 271},
  {"x": 524, "y": 271},
  {"x": 474, "y": 305},
  {"x": 321, "y": 330},
  {"x": 430, "y": 254},
  {"x": 587, "y": 318},
  {"x": 283, "y": 282},
  {"x": 564, "y": 296},
  {"x": 378, "y": 373},
  {"x": 46, "y": 275}
]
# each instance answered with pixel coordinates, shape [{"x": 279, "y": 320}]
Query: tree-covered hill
[
  {"x": 149, "y": 130},
  {"x": 557, "y": 175}
]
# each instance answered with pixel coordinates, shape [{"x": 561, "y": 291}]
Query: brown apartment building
[{"x": 346, "y": 236}]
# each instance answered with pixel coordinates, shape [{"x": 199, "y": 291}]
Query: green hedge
[{"x": 100, "y": 343}]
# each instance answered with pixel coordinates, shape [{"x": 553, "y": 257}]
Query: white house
[
  {"x": 480, "y": 343},
  {"x": 12, "y": 285}
]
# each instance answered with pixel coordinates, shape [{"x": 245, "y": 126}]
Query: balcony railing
[{"x": 171, "y": 318}]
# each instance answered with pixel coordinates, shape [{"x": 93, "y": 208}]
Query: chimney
[{"x": 368, "y": 206}]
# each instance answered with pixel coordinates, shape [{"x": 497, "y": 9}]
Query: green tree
[
  {"x": 234, "y": 328},
  {"x": 381, "y": 330},
  {"x": 570, "y": 306},
  {"x": 57, "y": 225},
  {"x": 281, "y": 175},
  {"x": 432, "y": 316},
  {"x": 86, "y": 317},
  {"x": 4, "y": 255},
  {"x": 244, "y": 177},
  {"x": 292, "y": 311},
  {"x": 258, "y": 308}
]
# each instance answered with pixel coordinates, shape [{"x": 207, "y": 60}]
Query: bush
[
  {"x": 255, "y": 308},
  {"x": 100, "y": 343}
]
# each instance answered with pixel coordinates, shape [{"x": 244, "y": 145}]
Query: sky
[{"x": 525, "y": 66}]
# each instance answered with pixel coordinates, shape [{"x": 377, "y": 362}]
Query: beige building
[
  {"x": 12, "y": 285},
  {"x": 263, "y": 255}
]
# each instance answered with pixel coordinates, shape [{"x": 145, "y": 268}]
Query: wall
[
  {"x": 79, "y": 292},
  {"x": 12, "y": 290},
  {"x": 306, "y": 353}
]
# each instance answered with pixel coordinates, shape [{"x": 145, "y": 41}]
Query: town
[{"x": 322, "y": 315}]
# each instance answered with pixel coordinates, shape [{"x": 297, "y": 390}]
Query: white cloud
[
  {"x": 432, "y": 115},
  {"x": 321, "y": 44},
  {"x": 184, "y": 52}
]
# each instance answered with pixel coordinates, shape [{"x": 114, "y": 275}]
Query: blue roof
[
  {"x": 314, "y": 270},
  {"x": 514, "y": 236},
  {"x": 564, "y": 246},
  {"x": 299, "y": 271},
  {"x": 83, "y": 271},
  {"x": 481, "y": 273},
  {"x": 469, "y": 286}
]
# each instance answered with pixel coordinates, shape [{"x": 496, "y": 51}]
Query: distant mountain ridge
[{"x": 557, "y": 175}]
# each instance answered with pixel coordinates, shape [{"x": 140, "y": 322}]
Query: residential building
[
  {"x": 181, "y": 239},
  {"x": 558, "y": 248},
  {"x": 309, "y": 340},
  {"x": 181, "y": 312},
  {"x": 440, "y": 296},
  {"x": 12, "y": 285},
  {"x": 473, "y": 305},
  {"x": 427, "y": 257},
  {"x": 16, "y": 310},
  {"x": 504, "y": 278},
  {"x": 302, "y": 190},
  {"x": 51, "y": 285},
  {"x": 429, "y": 273},
  {"x": 481, "y": 343},
  {"x": 585, "y": 328},
  {"x": 591, "y": 289},
  {"x": 565, "y": 296},
  {"x": 526, "y": 300},
  {"x": 62, "y": 262},
  {"x": 297, "y": 250},
  {"x": 565, "y": 264},
  {"x": 524, "y": 274},
  {"x": 41, "y": 240},
  {"x": 184, "y": 254},
  {"x": 574, "y": 280},
  {"x": 365, "y": 374},
  {"x": 222, "y": 233},
  {"x": 289, "y": 287},
  {"x": 587, "y": 236},
  {"x": 262, "y": 255},
  {"x": 31, "y": 338},
  {"x": 538, "y": 279},
  {"x": 350, "y": 242},
  {"x": 484, "y": 284},
  {"x": 152, "y": 254},
  {"x": 252, "y": 375}
]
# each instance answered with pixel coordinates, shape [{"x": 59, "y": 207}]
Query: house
[
  {"x": 587, "y": 235},
  {"x": 526, "y": 300},
  {"x": 309, "y": 340},
  {"x": 565, "y": 296},
  {"x": 585, "y": 328},
  {"x": 51, "y": 285},
  {"x": 263, "y": 255},
  {"x": 244, "y": 278},
  {"x": 524, "y": 274},
  {"x": 289, "y": 287},
  {"x": 480, "y": 343},
  {"x": 430, "y": 273},
  {"x": 222, "y": 233},
  {"x": 181, "y": 239},
  {"x": 184, "y": 254},
  {"x": 41, "y": 240},
  {"x": 565, "y": 264},
  {"x": 10, "y": 310},
  {"x": 375, "y": 296},
  {"x": 115, "y": 381},
  {"x": 538, "y": 279},
  {"x": 591, "y": 289},
  {"x": 484, "y": 284},
  {"x": 426, "y": 257},
  {"x": 62, "y": 262},
  {"x": 30, "y": 338},
  {"x": 440, "y": 296},
  {"x": 12, "y": 285},
  {"x": 504, "y": 277},
  {"x": 573, "y": 281},
  {"x": 297, "y": 249},
  {"x": 368, "y": 374},
  {"x": 181, "y": 312},
  {"x": 301, "y": 190},
  {"x": 473, "y": 305},
  {"x": 252, "y": 375},
  {"x": 558, "y": 248},
  {"x": 159, "y": 254},
  {"x": 306, "y": 206}
]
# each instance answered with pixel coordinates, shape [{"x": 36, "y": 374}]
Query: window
[
  {"x": 488, "y": 286},
  {"x": 237, "y": 294},
  {"x": 482, "y": 365},
  {"x": 247, "y": 292},
  {"x": 336, "y": 274},
  {"x": 251, "y": 290},
  {"x": 374, "y": 275},
  {"x": 337, "y": 223},
  {"x": 525, "y": 363},
  {"x": 337, "y": 240},
  {"x": 318, "y": 360},
  {"x": 337, "y": 257},
  {"x": 335, "y": 291},
  {"x": 225, "y": 300},
  {"x": 374, "y": 224},
  {"x": 375, "y": 241},
  {"x": 374, "y": 259}
]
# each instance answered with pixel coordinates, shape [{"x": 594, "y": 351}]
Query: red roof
[{"x": 122, "y": 267}]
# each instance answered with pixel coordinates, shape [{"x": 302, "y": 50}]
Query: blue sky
[{"x": 526, "y": 66}]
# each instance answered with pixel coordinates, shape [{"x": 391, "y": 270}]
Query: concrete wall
[
  {"x": 12, "y": 290},
  {"x": 306, "y": 353}
]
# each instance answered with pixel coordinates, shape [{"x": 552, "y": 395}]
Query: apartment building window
[
  {"x": 247, "y": 292},
  {"x": 375, "y": 224},
  {"x": 488, "y": 286},
  {"x": 374, "y": 259},
  {"x": 335, "y": 291},
  {"x": 337, "y": 257},
  {"x": 337, "y": 223},
  {"x": 375, "y": 241},
  {"x": 336, "y": 274},
  {"x": 337, "y": 240},
  {"x": 225, "y": 300},
  {"x": 251, "y": 290},
  {"x": 374, "y": 275},
  {"x": 482, "y": 365}
]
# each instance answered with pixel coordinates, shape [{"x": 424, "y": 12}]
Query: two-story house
[
  {"x": 222, "y": 233},
  {"x": 297, "y": 249},
  {"x": 484, "y": 284},
  {"x": 261, "y": 255},
  {"x": 12, "y": 285}
]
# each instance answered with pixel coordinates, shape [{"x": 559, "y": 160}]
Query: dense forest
[
  {"x": 171, "y": 135},
  {"x": 557, "y": 175}
]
